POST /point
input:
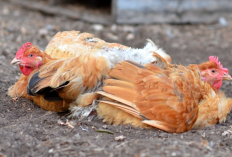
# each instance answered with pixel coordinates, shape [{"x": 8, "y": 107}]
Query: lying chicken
[
  {"x": 172, "y": 98},
  {"x": 72, "y": 67}
]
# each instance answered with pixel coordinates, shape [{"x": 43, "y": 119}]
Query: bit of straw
[{"x": 65, "y": 124}]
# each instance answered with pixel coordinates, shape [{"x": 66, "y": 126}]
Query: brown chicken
[
  {"x": 169, "y": 97},
  {"x": 71, "y": 69}
]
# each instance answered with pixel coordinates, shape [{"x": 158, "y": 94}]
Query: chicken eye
[
  {"x": 213, "y": 71},
  {"x": 30, "y": 55}
]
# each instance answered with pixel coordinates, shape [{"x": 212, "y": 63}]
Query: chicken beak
[
  {"x": 227, "y": 77},
  {"x": 16, "y": 61}
]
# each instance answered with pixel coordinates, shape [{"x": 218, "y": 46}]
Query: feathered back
[
  {"x": 73, "y": 44},
  {"x": 165, "y": 98},
  {"x": 70, "y": 44}
]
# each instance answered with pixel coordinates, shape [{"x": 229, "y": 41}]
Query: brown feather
[
  {"x": 125, "y": 108},
  {"x": 80, "y": 77},
  {"x": 113, "y": 97},
  {"x": 116, "y": 116},
  {"x": 14, "y": 91},
  {"x": 126, "y": 94},
  {"x": 119, "y": 83},
  {"x": 85, "y": 73},
  {"x": 163, "y": 97}
]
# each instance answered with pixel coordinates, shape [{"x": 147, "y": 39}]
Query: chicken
[
  {"x": 71, "y": 69},
  {"x": 173, "y": 98}
]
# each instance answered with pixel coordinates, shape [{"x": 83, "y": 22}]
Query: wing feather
[
  {"x": 125, "y": 108},
  {"x": 68, "y": 77},
  {"x": 124, "y": 93},
  {"x": 125, "y": 102},
  {"x": 158, "y": 95}
]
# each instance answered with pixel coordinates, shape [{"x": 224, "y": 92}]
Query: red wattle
[
  {"x": 218, "y": 85},
  {"x": 26, "y": 70}
]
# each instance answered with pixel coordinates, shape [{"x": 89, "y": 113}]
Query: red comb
[
  {"x": 215, "y": 59},
  {"x": 22, "y": 49}
]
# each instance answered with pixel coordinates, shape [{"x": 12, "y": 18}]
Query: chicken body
[
  {"x": 72, "y": 68},
  {"x": 169, "y": 97}
]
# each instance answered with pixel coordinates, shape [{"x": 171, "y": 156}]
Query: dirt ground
[{"x": 27, "y": 130}]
